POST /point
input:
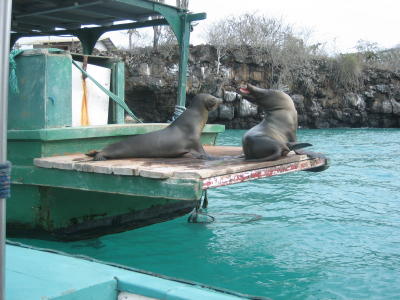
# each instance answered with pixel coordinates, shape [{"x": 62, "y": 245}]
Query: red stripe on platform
[{"x": 218, "y": 181}]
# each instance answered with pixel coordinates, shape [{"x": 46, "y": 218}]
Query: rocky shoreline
[{"x": 320, "y": 99}]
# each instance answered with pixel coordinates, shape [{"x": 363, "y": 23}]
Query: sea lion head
[
  {"x": 266, "y": 98},
  {"x": 251, "y": 93},
  {"x": 207, "y": 101}
]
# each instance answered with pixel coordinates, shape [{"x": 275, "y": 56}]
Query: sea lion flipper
[
  {"x": 99, "y": 156},
  {"x": 199, "y": 155},
  {"x": 296, "y": 146},
  {"x": 92, "y": 153}
]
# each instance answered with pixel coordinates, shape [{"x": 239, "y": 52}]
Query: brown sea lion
[
  {"x": 180, "y": 137},
  {"x": 275, "y": 136}
]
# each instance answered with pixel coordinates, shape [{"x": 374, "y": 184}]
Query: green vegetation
[
  {"x": 288, "y": 53},
  {"x": 346, "y": 71},
  {"x": 271, "y": 41}
]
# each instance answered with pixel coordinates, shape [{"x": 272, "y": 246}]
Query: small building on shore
[{"x": 68, "y": 43}]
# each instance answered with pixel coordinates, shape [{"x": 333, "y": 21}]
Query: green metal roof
[
  {"x": 33, "y": 16},
  {"x": 67, "y": 17}
]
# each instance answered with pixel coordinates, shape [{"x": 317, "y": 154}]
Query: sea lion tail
[{"x": 296, "y": 146}]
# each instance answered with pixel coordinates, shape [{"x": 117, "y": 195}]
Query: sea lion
[
  {"x": 275, "y": 136},
  {"x": 180, "y": 137}
]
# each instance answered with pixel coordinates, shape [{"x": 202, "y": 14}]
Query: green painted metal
[
  {"x": 183, "y": 60},
  {"x": 170, "y": 13},
  {"x": 76, "y": 214},
  {"x": 22, "y": 152},
  {"x": 102, "y": 61},
  {"x": 44, "y": 102},
  {"x": 102, "y": 291},
  {"x": 88, "y": 39},
  {"x": 61, "y": 9},
  {"x": 178, "y": 189},
  {"x": 53, "y": 134},
  {"x": 135, "y": 25},
  {"x": 118, "y": 87},
  {"x": 25, "y": 211}
]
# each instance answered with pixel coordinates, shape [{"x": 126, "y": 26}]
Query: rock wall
[{"x": 321, "y": 102}]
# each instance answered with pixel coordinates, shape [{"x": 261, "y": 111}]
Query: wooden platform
[{"x": 212, "y": 173}]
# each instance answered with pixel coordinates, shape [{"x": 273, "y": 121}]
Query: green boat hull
[
  {"x": 70, "y": 205},
  {"x": 67, "y": 204},
  {"x": 66, "y": 214}
]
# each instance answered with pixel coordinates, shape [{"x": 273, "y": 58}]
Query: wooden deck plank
[
  {"x": 216, "y": 168},
  {"x": 232, "y": 178},
  {"x": 163, "y": 168}
]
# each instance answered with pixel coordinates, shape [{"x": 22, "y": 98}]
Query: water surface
[{"x": 329, "y": 235}]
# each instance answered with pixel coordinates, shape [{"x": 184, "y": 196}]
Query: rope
[
  {"x": 178, "y": 111},
  {"x": 12, "y": 77},
  {"x": 5, "y": 169},
  {"x": 200, "y": 215},
  {"x": 84, "y": 109}
]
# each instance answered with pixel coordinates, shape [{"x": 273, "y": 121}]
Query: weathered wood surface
[
  {"x": 183, "y": 167},
  {"x": 268, "y": 171}
]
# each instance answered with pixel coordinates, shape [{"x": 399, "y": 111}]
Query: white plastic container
[{"x": 97, "y": 101}]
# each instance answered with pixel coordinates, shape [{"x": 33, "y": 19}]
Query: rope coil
[{"x": 5, "y": 170}]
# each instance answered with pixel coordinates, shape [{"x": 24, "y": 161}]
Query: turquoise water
[{"x": 329, "y": 235}]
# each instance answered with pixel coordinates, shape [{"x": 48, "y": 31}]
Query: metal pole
[{"x": 5, "y": 18}]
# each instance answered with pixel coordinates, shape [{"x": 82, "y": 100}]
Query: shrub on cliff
[
  {"x": 273, "y": 44},
  {"x": 347, "y": 72},
  {"x": 374, "y": 57}
]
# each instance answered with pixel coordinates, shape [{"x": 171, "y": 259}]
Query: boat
[
  {"x": 54, "y": 196},
  {"x": 34, "y": 273},
  {"x": 42, "y": 120}
]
